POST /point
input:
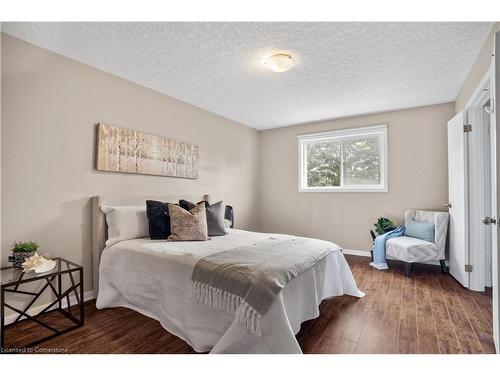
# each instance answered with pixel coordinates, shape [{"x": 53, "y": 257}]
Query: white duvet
[{"x": 154, "y": 278}]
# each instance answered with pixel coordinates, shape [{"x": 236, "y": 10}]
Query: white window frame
[{"x": 380, "y": 130}]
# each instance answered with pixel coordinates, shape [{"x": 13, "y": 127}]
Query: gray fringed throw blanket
[{"x": 246, "y": 280}]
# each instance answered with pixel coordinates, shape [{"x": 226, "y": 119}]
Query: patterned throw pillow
[
  {"x": 188, "y": 225},
  {"x": 215, "y": 216}
]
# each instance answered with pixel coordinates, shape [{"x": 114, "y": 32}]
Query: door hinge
[
  {"x": 468, "y": 268},
  {"x": 467, "y": 128}
]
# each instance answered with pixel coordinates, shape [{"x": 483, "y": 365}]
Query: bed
[{"x": 154, "y": 278}]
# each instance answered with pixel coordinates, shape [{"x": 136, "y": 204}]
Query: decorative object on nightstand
[
  {"x": 22, "y": 251},
  {"x": 38, "y": 264},
  {"x": 59, "y": 282}
]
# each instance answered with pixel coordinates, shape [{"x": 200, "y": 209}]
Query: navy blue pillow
[
  {"x": 158, "y": 220},
  {"x": 187, "y": 205},
  {"x": 229, "y": 215}
]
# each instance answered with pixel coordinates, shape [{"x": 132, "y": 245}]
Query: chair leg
[
  {"x": 443, "y": 266},
  {"x": 408, "y": 267}
]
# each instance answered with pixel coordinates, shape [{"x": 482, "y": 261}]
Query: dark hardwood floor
[{"x": 427, "y": 313}]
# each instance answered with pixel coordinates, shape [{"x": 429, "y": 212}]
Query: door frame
[
  {"x": 491, "y": 76},
  {"x": 481, "y": 95},
  {"x": 495, "y": 95}
]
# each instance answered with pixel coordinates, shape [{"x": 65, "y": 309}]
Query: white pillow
[{"x": 125, "y": 223}]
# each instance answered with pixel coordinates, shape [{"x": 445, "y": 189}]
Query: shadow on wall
[{"x": 69, "y": 235}]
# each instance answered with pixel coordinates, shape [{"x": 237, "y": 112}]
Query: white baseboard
[
  {"x": 359, "y": 253},
  {"x": 10, "y": 318}
]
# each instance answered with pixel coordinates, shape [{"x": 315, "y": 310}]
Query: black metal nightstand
[{"x": 53, "y": 282}]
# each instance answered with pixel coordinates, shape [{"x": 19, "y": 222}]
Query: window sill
[{"x": 344, "y": 190}]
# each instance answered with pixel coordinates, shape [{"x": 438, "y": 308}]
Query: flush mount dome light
[{"x": 279, "y": 62}]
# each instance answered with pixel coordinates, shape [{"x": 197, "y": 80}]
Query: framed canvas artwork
[{"x": 131, "y": 151}]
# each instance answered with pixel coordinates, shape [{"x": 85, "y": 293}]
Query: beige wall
[
  {"x": 50, "y": 105},
  {"x": 479, "y": 69},
  {"x": 417, "y": 178}
]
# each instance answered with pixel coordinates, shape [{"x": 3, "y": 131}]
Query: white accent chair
[{"x": 413, "y": 250}]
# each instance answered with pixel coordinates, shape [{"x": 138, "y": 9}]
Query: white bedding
[{"x": 154, "y": 278}]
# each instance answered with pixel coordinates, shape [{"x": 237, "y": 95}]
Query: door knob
[
  {"x": 447, "y": 205},
  {"x": 489, "y": 220}
]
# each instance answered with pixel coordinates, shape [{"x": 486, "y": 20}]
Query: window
[{"x": 344, "y": 160}]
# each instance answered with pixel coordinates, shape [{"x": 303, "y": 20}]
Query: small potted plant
[
  {"x": 22, "y": 251},
  {"x": 383, "y": 225}
]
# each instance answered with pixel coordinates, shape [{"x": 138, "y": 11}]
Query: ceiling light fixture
[{"x": 279, "y": 62}]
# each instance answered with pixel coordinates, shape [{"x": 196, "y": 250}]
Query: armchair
[{"x": 413, "y": 250}]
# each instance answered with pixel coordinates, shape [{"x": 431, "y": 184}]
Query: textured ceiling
[{"x": 342, "y": 69}]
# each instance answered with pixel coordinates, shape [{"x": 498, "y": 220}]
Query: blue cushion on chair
[{"x": 420, "y": 229}]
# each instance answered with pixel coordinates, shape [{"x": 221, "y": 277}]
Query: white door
[
  {"x": 495, "y": 122},
  {"x": 479, "y": 197},
  {"x": 457, "y": 202}
]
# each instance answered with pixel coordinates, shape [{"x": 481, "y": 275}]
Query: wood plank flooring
[{"x": 427, "y": 313}]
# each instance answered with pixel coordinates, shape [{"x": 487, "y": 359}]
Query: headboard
[{"x": 100, "y": 228}]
